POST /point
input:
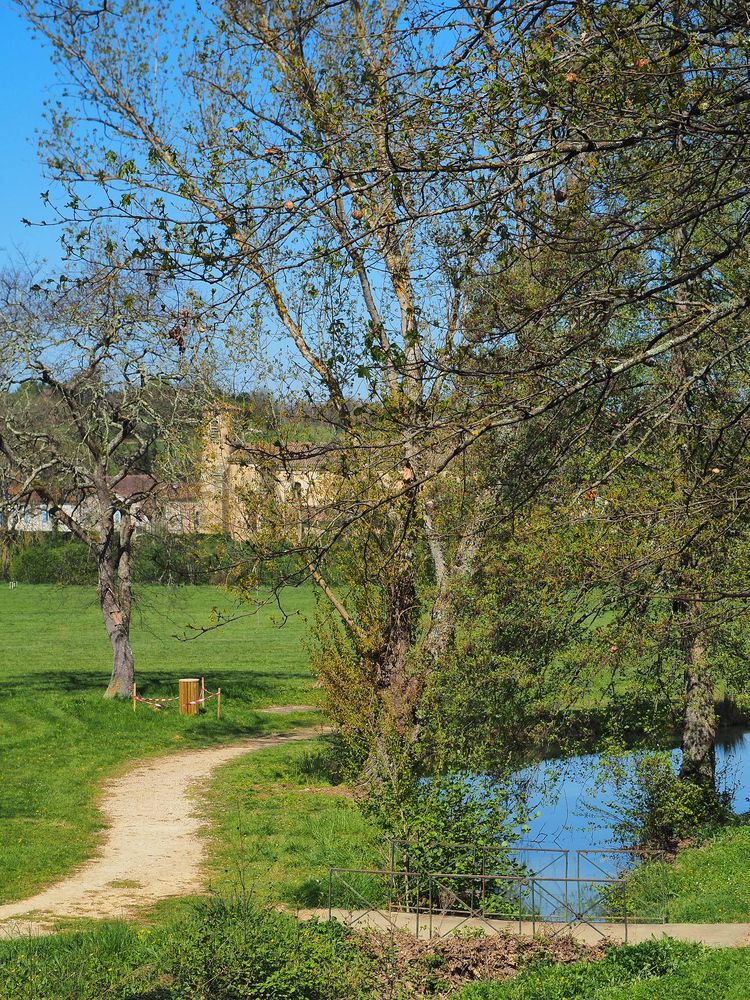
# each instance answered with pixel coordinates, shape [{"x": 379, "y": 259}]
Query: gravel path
[{"x": 153, "y": 846}]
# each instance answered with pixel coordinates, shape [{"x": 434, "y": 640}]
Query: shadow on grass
[{"x": 250, "y": 686}]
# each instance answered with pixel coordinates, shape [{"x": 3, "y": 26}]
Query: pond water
[{"x": 573, "y": 816}]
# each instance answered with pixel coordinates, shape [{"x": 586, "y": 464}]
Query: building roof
[{"x": 136, "y": 485}]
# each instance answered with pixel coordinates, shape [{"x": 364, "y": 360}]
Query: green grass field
[
  {"x": 279, "y": 821},
  {"x": 59, "y": 738},
  {"x": 53, "y": 639}
]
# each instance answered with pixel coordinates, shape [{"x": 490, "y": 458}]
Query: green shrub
[
  {"x": 235, "y": 950},
  {"x": 175, "y": 559},
  {"x": 654, "y": 807},
  {"x": 193, "y": 559},
  {"x": 454, "y": 824},
  {"x": 456, "y": 809},
  {"x": 54, "y": 558},
  {"x": 158, "y": 557}
]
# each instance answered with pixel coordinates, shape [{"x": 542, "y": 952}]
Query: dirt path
[
  {"x": 153, "y": 846},
  {"x": 713, "y": 935}
]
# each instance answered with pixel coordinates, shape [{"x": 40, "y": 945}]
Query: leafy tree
[{"x": 351, "y": 177}]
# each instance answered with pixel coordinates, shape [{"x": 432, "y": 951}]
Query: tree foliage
[{"x": 463, "y": 232}]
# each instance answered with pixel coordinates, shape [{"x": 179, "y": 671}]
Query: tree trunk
[
  {"x": 115, "y": 601},
  {"x": 396, "y": 689},
  {"x": 123, "y": 666},
  {"x": 5, "y": 551},
  {"x": 699, "y": 725}
]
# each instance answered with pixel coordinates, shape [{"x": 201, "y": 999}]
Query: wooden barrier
[
  {"x": 190, "y": 692},
  {"x": 192, "y": 697}
]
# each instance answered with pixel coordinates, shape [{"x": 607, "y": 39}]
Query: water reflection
[{"x": 574, "y": 814}]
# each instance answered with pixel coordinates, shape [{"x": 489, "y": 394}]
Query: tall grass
[{"x": 220, "y": 951}]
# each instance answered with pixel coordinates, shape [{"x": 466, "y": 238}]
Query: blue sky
[{"x": 26, "y": 79}]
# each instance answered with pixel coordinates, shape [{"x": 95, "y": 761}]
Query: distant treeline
[{"x": 157, "y": 558}]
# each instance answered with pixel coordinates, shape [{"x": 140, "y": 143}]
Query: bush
[
  {"x": 456, "y": 808},
  {"x": 177, "y": 559},
  {"x": 461, "y": 825},
  {"x": 54, "y": 558},
  {"x": 235, "y": 950},
  {"x": 158, "y": 557},
  {"x": 60, "y": 558},
  {"x": 656, "y": 809}
]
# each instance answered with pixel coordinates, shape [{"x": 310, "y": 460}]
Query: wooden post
[
  {"x": 134, "y": 696},
  {"x": 189, "y": 692},
  {"x": 218, "y": 704}
]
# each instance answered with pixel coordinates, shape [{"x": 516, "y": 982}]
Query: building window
[
  {"x": 45, "y": 515},
  {"x": 118, "y": 517},
  {"x": 26, "y": 517}
]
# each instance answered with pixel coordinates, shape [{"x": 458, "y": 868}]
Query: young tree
[{"x": 101, "y": 376}]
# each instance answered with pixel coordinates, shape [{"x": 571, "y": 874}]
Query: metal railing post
[{"x": 520, "y": 908}]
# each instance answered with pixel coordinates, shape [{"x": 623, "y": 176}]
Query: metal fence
[
  {"x": 445, "y": 885},
  {"x": 489, "y": 859},
  {"x": 442, "y": 903}
]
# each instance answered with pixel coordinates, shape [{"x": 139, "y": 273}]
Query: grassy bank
[
  {"x": 279, "y": 820},
  {"x": 651, "y": 971},
  {"x": 705, "y": 884},
  {"x": 59, "y": 738}
]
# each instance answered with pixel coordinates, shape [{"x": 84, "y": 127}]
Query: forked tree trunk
[
  {"x": 699, "y": 725},
  {"x": 398, "y": 692}
]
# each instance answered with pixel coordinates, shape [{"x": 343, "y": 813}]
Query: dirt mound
[{"x": 438, "y": 967}]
